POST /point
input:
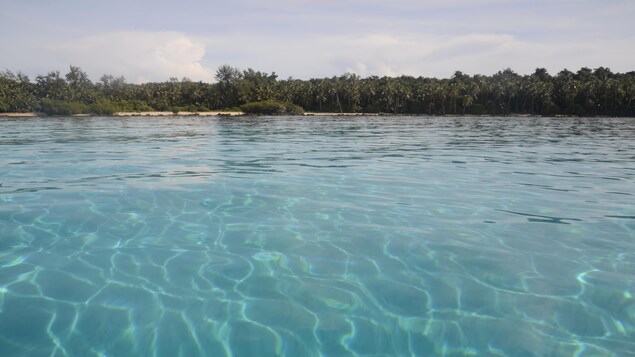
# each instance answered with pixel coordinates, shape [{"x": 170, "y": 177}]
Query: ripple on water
[{"x": 362, "y": 236}]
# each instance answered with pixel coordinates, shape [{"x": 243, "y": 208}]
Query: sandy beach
[
  {"x": 338, "y": 114},
  {"x": 221, "y": 113},
  {"x": 18, "y": 115},
  {"x": 168, "y": 114},
  {"x": 133, "y": 114}
]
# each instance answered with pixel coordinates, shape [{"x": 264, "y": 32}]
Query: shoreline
[
  {"x": 19, "y": 115},
  {"x": 178, "y": 114},
  {"x": 307, "y": 114}
]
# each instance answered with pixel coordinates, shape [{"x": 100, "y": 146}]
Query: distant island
[{"x": 587, "y": 92}]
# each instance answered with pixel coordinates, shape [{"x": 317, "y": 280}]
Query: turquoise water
[{"x": 370, "y": 236}]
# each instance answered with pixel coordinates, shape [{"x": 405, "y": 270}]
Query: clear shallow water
[{"x": 317, "y": 237}]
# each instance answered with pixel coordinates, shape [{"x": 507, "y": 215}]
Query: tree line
[{"x": 598, "y": 92}]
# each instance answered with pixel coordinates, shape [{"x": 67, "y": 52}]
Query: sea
[{"x": 317, "y": 236}]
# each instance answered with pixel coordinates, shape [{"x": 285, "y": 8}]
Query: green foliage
[
  {"x": 189, "y": 108},
  {"x": 584, "y": 93},
  {"x": 134, "y": 105},
  {"x": 271, "y": 107},
  {"x": 227, "y": 74},
  {"x": 59, "y": 107},
  {"x": 292, "y": 109},
  {"x": 264, "y": 107},
  {"x": 17, "y": 93},
  {"x": 229, "y": 109},
  {"x": 79, "y": 87},
  {"x": 51, "y": 86},
  {"x": 103, "y": 107},
  {"x": 477, "y": 109}
]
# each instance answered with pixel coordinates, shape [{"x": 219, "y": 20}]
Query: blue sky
[{"x": 153, "y": 40}]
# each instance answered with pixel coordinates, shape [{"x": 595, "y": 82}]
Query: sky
[{"x": 153, "y": 40}]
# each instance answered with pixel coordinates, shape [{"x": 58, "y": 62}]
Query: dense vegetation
[
  {"x": 271, "y": 107},
  {"x": 584, "y": 93}
]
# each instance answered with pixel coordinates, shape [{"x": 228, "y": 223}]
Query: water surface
[{"x": 321, "y": 236}]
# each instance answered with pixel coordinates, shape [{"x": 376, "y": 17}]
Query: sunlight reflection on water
[{"x": 321, "y": 236}]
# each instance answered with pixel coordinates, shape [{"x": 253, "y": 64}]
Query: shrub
[
  {"x": 58, "y": 107},
  {"x": 477, "y": 109},
  {"x": 293, "y": 109},
  {"x": 103, "y": 107},
  {"x": 190, "y": 108},
  {"x": 271, "y": 107},
  {"x": 133, "y": 106}
]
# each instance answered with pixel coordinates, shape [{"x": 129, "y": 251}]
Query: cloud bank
[{"x": 140, "y": 56}]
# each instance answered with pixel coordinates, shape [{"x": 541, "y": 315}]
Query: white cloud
[{"x": 138, "y": 55}]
